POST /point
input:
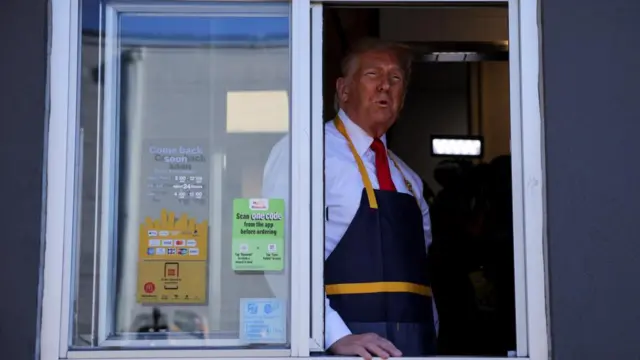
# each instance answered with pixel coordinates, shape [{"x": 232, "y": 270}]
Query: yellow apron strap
[
  {"x": 373, "y": 203},
  {"x": 377, "y": 287}
]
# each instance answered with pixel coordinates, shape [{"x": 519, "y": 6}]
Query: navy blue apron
[{"x": 377, "y": 278}]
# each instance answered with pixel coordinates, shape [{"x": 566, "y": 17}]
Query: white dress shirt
[{"x": 343, "y": 191}]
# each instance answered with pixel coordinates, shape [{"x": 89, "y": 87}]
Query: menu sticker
[
  {"x": 258, "y": 235},
  {"x": 173, "y": 208},
  {"x": 263, "y": 321}
]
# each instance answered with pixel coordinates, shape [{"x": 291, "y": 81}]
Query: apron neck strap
[{"x": 373, "y": 203}]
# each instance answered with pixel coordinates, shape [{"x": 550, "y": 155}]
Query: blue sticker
[{"x": 263, "y": 321}]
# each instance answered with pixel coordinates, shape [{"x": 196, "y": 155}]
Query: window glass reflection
[{"x": 178, "y": 115}]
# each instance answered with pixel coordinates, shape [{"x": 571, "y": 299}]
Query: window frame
[
  {"x": 306, "y": 181},
  {"x": 317, "y": 293},
  {"x": 114, "y": 10},
  {"x": 527, "y": 152},
  {"x": 63, "y": 181}
]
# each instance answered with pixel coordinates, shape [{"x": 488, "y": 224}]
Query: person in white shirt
[{"x": 377, "y": 225}]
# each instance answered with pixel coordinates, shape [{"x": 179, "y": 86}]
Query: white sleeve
[
  {"x": 335, "y": 328},
  {"x": 275, "y": 180},
  {"x": 424, "y": 208},
  {"x": 426, "y": 223},
  {"x": 275, "y": 185}
]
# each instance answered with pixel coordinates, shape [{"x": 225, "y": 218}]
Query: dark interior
[{"x": 459, "y": 87}]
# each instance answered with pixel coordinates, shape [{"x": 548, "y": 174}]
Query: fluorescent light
[
  {"x": 257, "y": 111},
  {"x": 456, "y": 146}
]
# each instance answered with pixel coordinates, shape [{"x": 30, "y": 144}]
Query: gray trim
[
  {"x": 23, "y": 33},
  {"x": 591, "y": 131}
]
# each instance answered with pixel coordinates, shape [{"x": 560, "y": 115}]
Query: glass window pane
[{"x": 179, "y": 111}]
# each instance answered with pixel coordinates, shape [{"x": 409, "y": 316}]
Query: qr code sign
[{"x": 271, "y": 248}]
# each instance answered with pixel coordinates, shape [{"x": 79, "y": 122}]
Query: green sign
[{"x": 258, "y": 235}]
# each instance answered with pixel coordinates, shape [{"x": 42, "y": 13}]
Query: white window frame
[
  {"x": 306, "y": 98},
  {"x": 526, "y": 165},
  {"x": 63, "y": 180},
  {"x": 109, "y": 149},
  {"x": 527, "y": 173}
]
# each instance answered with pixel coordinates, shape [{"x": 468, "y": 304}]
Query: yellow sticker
[
  {"x": 171, "y": 238},
  {"x": 172, "y": 260}
]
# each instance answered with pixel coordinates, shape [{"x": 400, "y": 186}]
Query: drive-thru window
[{"x": 166, "y": 239}]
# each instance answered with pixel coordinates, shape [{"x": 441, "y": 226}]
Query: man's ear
[
  {"x": 404, "y": 96},
  {"x": 341, "y": 89}
]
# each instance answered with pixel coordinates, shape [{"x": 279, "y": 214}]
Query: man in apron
[{"x": 377, "y": 227}]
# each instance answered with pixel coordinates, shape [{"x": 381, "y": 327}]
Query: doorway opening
[{"x": 454, "y": 132}]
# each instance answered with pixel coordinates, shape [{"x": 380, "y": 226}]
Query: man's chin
[
  {"x": 384, "y": 117},
  {"x": 383, "y": 124}
]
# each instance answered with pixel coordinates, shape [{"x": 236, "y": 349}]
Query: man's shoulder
[
  {"x": 332, "y": 139},
  {"x": 280, "y": 148},
  {"x": 334, "y": 143},
  {"x": 330, "y": 129}
]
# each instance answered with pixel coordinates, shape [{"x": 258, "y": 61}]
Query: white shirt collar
[{"x": 361, "y": 140}]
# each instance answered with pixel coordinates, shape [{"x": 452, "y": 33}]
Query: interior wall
[
  {"x": 436, "y": 103},
  {"x": 456, "y": 99},
  {"x": 494, "y": 116},
  {"x": 453, "y": 99},
  {"x": 445, "y": 24}
]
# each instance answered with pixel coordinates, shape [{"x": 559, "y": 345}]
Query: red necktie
[{"x": 382, "y": 166}]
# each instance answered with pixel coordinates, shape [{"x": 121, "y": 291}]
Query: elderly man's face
[{"x": 374, "y": 92}]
